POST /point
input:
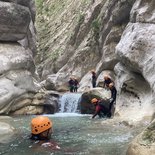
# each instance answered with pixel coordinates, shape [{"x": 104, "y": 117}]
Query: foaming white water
[
  {"x": 67, "y": 115},
  {"x": 69, "y": 102}
]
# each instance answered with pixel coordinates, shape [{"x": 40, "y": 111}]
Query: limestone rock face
[
  {"x": 86, "y": 83},
  {"x": 27, "y": 3},
  {"x": 143, "y": 12},
  {"x": 16, "y": 71},
  {"x": 135, "y": 96},
  {"x": 17, "y": 67},
  {"x": 136, "y": 54},
  {"x": 57, "y": 82},
  {"x": 14, "y": 57},
  {"x": 144, "y": 143},
  {"x": 14, "y": 21},
  {"x": 137, "y": 51}
]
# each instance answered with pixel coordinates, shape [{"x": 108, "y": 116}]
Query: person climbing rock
[
  {"x": 41, "y": 130},
  {"x": 112, "y": 99},
  {"x": 76, "y": 83},
  {"x": 71, "y": 84},
  {"x": 100, "y": 109},
  {"x": 93, "y": 78},
  {"x": 107, "y": 81}
]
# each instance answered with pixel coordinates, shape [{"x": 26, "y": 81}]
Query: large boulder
[
  {"x": 6, "y": 132},
  {"x": 27, "y": 3},
  {"x": 57, "y": 82},
  {"x": 14, "y": 57},
  {"x": 86, "y": 83},
  {"x": 16, "y": 69},
  {"x": 15, "y": 84},
  {"x": 14, "y": 21},
  {"x": 85, "y": 102}
]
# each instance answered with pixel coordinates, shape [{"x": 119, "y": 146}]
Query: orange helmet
[
  {"x": 40, "y": 124},
  {"x": 94, "y": 100}
]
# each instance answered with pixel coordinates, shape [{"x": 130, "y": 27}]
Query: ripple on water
[{"x": 76, "y": 135}]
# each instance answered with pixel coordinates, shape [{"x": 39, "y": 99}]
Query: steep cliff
[
  {"x": 114, "y": 37},
  {"x": 18, "y": 92}
]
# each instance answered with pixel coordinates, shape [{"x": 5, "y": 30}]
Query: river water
[{"x": 75, "y": 134}]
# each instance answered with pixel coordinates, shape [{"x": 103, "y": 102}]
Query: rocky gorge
[{"x": 44, "y": 42}]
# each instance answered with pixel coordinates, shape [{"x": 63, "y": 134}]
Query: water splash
[{"x": 69, "y": 102}]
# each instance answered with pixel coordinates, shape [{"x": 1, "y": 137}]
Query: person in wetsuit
[
  {"x": 112, "y": 99},
  {"x": 41, "y": 130},
  {"x": 107, "y": 81},
  {"x": 94, "y": 78},
  {"x": 76, "y": 83},
  {"x": 100, "y": 110},
  {"x": 71, "y": 84}
]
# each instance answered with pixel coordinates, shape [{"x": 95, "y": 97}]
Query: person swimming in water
[{"x": 41, "y": 131}]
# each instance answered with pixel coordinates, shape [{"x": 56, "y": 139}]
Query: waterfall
[{"x": 69, "y": 102}]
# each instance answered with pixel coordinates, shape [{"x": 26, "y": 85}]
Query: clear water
[{"x": 75, "y": 134}]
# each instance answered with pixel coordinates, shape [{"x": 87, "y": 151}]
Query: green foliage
[
  {"x": 55, "y": 54},
  {"x": 39, "y": 4},
  {"x": 96, "y": 25},
  {"x": 149, "y": 136},
  {"x": 96, "y": 29},
  {"x": 81, "y": 18}
]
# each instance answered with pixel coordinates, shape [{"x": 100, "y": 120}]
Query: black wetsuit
[
  {"x": 94, "y": 80},
  {"x": 75, "y": 85},
  {"x": 71, "y": 85},
  {"x": 113, "y": 98},
  {"x": 107, "y": 82}
]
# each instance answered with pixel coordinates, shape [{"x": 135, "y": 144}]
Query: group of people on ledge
[{"x": 73, "y": 84}]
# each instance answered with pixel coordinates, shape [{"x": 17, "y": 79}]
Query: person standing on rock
[
  {"x": 107, "y": 81},
  {"x": 76, "y": 83},
  {"x": 112, "y": 99},
  {"x": 100, "y": 109},
  {"x": 71, "y": 84},
  {"x": 94, "y": 78}
]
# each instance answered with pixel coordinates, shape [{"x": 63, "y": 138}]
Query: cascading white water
[{"x": 69, "y": 102}]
